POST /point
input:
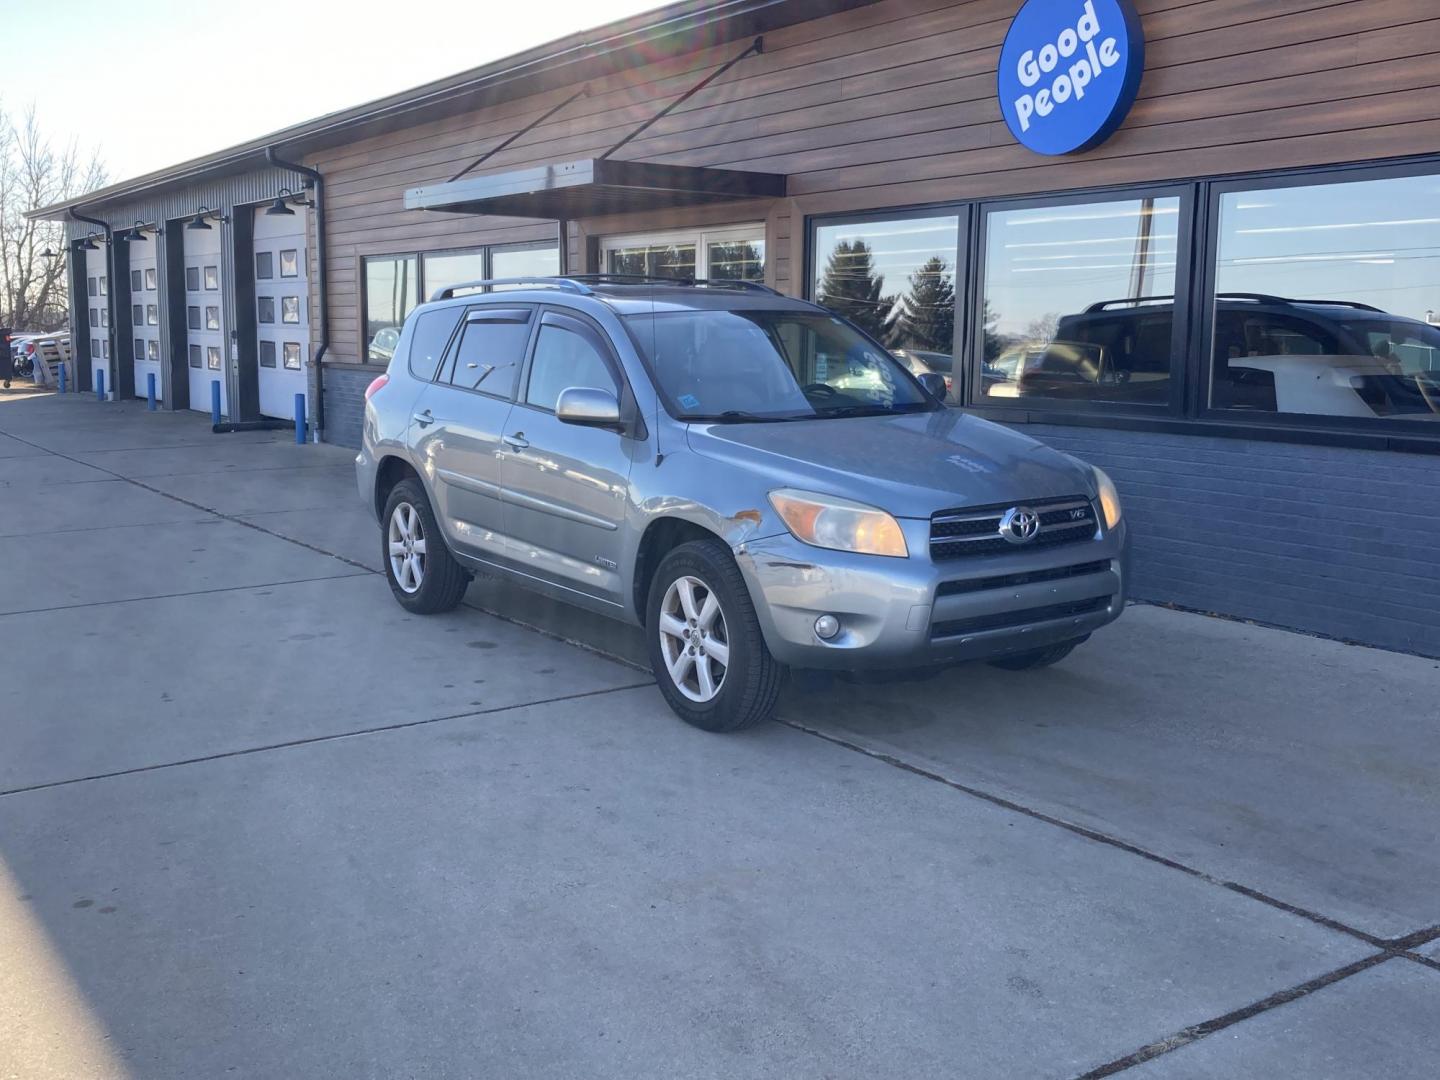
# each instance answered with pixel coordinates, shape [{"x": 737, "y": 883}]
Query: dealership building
[{"x": 1195, "y": 242}]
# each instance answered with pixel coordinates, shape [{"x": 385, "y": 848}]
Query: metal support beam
[
  {"x": 584, "y": 91},
  {"x": 757, "y": 46}
]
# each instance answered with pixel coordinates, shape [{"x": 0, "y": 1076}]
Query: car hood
[{"x": 911, "y": 464}]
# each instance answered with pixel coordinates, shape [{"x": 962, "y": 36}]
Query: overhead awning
[{"x": 592, "y": 187}]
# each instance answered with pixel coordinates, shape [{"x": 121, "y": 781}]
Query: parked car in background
[
  {"x": 1272, "y": 354},
  {"x": 745, "y": 475}
]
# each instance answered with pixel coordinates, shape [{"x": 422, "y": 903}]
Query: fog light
[{"x": 826, "y": 627}]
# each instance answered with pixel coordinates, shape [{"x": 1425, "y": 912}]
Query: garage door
[
  {"x": 204, "y": 316},
  {"x": 282, "y": 316},
  {"x": 97, "y": 289},
  {"x": 145, "y": 316}
]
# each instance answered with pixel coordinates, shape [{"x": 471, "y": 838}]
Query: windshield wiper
[{"x": 730, "y": 416}]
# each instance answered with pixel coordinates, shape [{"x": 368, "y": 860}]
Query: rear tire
[
  {"x": 1037, "y": 658},
  {"x": 423, "y": 575},
  {"x": 706, "y": 648}
]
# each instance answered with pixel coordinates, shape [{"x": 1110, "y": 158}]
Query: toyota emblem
[{"x": 1020, "y": 525}]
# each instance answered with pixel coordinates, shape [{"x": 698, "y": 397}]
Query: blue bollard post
[
  {"x": 150, "y": 391},
  {"x": 299, "y": 419},
  {"x": 100, "y": 385},
  {"x": 62, "y": 378},
  {"x": 215, "y": 401}
]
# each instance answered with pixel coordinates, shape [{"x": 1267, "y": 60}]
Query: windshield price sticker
[{"x": 1069, "y": 72}]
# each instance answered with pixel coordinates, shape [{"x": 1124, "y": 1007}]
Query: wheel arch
[{"x": 390, "y": 471}]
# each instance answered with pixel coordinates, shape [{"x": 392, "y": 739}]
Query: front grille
[
  {"x": 1032, "y": 577},
  {"x": 958, "y": 534},
  {"x": 1007, "y": 620}
]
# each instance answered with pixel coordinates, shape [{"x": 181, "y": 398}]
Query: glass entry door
[{"x": 734, "y": 252}]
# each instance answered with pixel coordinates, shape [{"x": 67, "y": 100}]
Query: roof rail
[
  {"x": 1341, "y": 303},
  {"x": 1104, "y": 305},
  {"x": 682, "y": 282},
  {"x": 566, "y": 284}
]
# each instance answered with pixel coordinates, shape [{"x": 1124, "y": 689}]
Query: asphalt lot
[{"x": 256, "y": 820}]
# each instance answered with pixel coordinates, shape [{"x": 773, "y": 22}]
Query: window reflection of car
[
  {"x": 923, "y": 361},
  {"x": 1272, "y": 354},
  {"x": 382, "y": 345}
]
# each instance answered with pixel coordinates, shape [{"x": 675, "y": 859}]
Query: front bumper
[{"x": 916, "y": 613}]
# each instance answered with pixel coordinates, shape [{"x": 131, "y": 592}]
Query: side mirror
[
  {"x": 934, "y": 384},
  {"x": 588, "y": 407}
]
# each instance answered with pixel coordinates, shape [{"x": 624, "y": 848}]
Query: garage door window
[
  {"x": 192, "y": 317},
  {"x": 267, "y": 354},
  {"x": 150, "y": 278},
  {"x": 290, "y": 309},
  {"x": 212, "y": 318},
  {"x": 134, "y": 280},
  {"x": 212, "y": 278},
  {"x": 266, "y": 308},
  {"x": 212, "y": 357},
  {"x": 292, "y": 355},
  {"x": 264, "y": 267},
  {"x": 195, "y": 356},
  {"x": 152, "y": 315},
  {"x": 137, "y": 314},
  {"x": 152, "y": 349},
  {"x": 290, "y": 263}
]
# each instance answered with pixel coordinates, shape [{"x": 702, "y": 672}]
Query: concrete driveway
[{"x": 256, "y": 820}]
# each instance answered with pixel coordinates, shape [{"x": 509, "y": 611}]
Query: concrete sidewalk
[{"x": 256, "y": 819}]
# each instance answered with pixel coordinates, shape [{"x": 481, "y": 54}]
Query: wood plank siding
[{"x": 893, "y": 104}]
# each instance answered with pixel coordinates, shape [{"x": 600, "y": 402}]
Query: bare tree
[{"x": 34, "y": 173}]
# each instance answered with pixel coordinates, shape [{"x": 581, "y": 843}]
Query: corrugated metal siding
[{"x": 1331, "y": 540}]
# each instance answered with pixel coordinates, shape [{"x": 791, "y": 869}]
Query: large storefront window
[
  {"x": 1325, "y": 299},
  {"x": 896, "y": 281},
  {"x": 391, "y": 291},
  {"x": 395, "y": 284},
  {"x": 445, "y": 269},
  {"x": 1079, "y": 301}
]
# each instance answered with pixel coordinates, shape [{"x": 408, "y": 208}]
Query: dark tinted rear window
[{"x": 427, "y": 342}]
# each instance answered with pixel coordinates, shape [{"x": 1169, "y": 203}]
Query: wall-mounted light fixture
[
  {"x": 89, "y": 244},
  {"x": 198, "y": 222},
  {"x": 280, "y": 207}
]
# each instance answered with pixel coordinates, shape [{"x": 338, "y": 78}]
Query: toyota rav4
[{"x": 748, "y": 477}]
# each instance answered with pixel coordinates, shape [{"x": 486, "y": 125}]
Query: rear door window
[
  {"x": 490, "y": 350},
  {"x": 427, "y": 340}
]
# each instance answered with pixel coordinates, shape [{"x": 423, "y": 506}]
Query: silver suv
[{"x": 748, "y": 477}]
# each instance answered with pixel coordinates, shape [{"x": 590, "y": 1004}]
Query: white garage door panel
[
  {"x": 97, "y": 288},
  {"x": 282, "y": 316},
  {"x": 204, "y": 317},
  {"x": 145, "y": 316}
]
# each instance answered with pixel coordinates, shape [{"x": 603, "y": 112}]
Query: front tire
[
  {"x": 706, "y": 648},
  {"x": 423, "y": 575}
]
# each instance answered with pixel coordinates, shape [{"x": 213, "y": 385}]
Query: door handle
[
  {"x": 424, "y": 419},
  {"x": 517, "y": 441}
]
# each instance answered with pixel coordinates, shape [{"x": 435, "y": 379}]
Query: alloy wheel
[
  {"x": 407, "y": 548},
  {"x": 693, "y": 639}
]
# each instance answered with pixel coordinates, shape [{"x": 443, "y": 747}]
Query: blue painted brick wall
[
  {"x": 1331, "y": 540},
  {"x": 345, "y": 402}
]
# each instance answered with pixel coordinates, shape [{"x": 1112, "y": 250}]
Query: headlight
[
  {"x": 1109, "y": 499},
  {"x": 830, "y": 522}
]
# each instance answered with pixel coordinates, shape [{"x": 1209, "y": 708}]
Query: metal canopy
[{"x": 592, "y": 187}]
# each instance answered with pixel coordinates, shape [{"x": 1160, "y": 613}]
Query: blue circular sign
[{"x": 1069, "y": 72}]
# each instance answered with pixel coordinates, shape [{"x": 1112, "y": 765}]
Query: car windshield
[{"x": 748, "y": 366}]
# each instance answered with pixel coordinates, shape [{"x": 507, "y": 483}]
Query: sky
[{"x": 257, "y": 67}]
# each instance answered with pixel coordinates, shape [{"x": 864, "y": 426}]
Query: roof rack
[
  {"x": 566, "y": 284},
  {"x": 1104, "y": 305},
  {"x": 580, "y": 284},
  {"x": 1341, "y": 303},
  {"x": 682, "y": 282}
]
